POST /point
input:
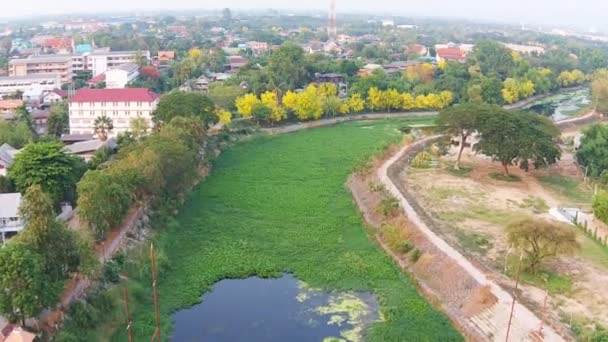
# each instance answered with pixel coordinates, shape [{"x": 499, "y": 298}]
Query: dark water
[
  {"x": 281, "y": 309},
  {"x": 562, "y": 106}
]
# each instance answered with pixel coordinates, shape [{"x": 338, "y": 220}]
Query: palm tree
[{"x": 102, "y": 127}]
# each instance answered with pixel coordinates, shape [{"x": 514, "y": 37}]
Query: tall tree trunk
[
  {"x": 505, "y": 166},
  {"x": 463, "y": 141}
]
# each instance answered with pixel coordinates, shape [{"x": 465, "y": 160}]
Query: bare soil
[{"x": 472, "y": 210}]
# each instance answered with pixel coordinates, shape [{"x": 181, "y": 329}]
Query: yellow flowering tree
[
  {"x": 374, "y": 99},
  {"x": 392, "y": 100},
  {"x": 245, "y": 104},
  {"x": 355, "y": 103},
  {"x": 408, "y": 102},
  {"x": 271, "y": 100},
  {"x": 224, "y": 116}
]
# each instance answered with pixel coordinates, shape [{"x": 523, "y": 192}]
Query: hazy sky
[{"x": 585, "y": 13}]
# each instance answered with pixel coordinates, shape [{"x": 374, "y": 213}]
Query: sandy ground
[{"x": 472, "y": 212}]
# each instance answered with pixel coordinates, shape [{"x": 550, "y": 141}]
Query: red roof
[
  {"x": 58, "y": 43},
  {"x": 114, "y": 95},
  {"x": 60, "y": 92},
  {"x": 99, "y": 78},
  {"x": 451, "y": 54}
]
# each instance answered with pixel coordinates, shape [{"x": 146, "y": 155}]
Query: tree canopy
[
  {"x": 46, "y": 164},
  {"x": 541, "y": 240},
  {"x": 286, "y": 67},
  {"x": 184, "y": 104},
  {"x": 593, "y": 150},
  {"x": 516, "y": 138}
]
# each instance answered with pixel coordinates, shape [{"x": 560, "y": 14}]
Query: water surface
[
  {"x": 283, "y": 309},
  {"x": 562, "y": 106}
]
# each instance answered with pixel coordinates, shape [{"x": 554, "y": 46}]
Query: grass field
[{"x": 279, "y": 204}]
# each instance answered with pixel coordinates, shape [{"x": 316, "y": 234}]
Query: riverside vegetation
[{"x": 263, "y": 212}]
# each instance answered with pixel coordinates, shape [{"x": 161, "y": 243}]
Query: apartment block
[
  {"x": 42, "y": 65},
  {"x": 120, "y": 105}
]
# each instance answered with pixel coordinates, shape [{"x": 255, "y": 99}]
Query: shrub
[
  {"x": 389, "y": 206},
  {"x": 394, "y": 237},
  {"x": 600, "y": 206},
  {"x": 416, "y": 254},
  {"x": 422, "y": 160},
  {"x": 405, "y": 247},
  {"x": 111, "y": 271}
]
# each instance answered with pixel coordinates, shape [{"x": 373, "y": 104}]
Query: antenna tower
[{"x": 332, "y": 29}]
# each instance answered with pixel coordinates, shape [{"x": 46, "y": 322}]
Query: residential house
[
  {"x": 7, "y": 155},
  {"x": 87, "y": 149},
  {"x": 451, "y": 54},
  {"x": 257, "y": 47},
  {"x": 40, "y": 118},
  {"x": 399, "y": 66},
  {"x": 236, "y": 62},
  {"x": 10, "y": 106},
  {"x": 19, "y": 335},
  {"x": 60, "y": 45},
  {"x": 10, "y": 220},
  {"x": 33, "y": 97},
  {"x": 368, "y": 69},
  {"x": 337, "y": 79},
  {"x": 120, "y": 105},
  {"x": 165, "y": 57},
  {"x": 68, "y": 139},
  {"x": 418, "y": 49},
  {"x": 122, "y": 75},
  {"x": 93, "y": 82},
  {"x": 54, "y": 96}
]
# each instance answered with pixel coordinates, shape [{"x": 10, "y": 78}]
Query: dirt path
[{"x": 524, "y": 322}]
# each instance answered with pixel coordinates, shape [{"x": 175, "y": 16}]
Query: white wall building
[
  {"x": 11, "y": 84},
  {"x": 120, "y": 76},
  {"x": 100, "y": 62},
  {"x": 10, "y": 221},
  {"x": 120, "y": 105}
]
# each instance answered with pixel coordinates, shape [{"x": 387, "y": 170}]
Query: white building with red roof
[{"x": 120, "y": 105}]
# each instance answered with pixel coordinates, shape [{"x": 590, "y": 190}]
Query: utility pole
[
  {"x": 155, "y": 288},
  {"x": 128, "y": 315},
  {"x": 521, "y": 258}
]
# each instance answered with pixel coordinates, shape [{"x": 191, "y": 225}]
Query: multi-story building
[
  {"x": 42, "y": 65},
  {"x": 120, "y": 76},
  {"x": 11, "y": 85},
  {"x": 100, "y": 62},
  {"x": 10, "y": 221},
  {"x": 120, "y": 105}
]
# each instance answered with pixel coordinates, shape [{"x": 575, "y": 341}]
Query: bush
[
  {"x": 504, "y": 178},
  {"x": 600, "y": 206},
  {"x": 405, "y": 247},
  {"x": 111, "y": 271},
  {"x": 389, "y": 206},
  {"x": 416, "y": 254},
  {"x": 422, "y": 160},
  {"x": 395, "y": 237}
]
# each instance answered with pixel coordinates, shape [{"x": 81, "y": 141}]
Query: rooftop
[
  {"x": 42, "y": 59},
  {"x": 128, "y": 67},
  {"x": 9, "y": 204},
  {"x": 114, "y": 95},
  {"x": 29, "y": 78},
  {"x": 10, "y": 104},
  {"x": 89, "y": 146}
]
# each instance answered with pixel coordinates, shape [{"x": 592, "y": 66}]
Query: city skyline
[{"x": 584, "y": 13}]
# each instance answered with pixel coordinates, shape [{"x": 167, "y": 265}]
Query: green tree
[
  {"x": 493, "y": 58},
  {"x": 103, "y": 126},
  {"x": 104, "y": 197},
  {"x": 179, "y": 103},
  {"x": 491, "y": 90},
  {"x": 224, "y": 96},
  {"x": 23, "y": 281},
  {"x": 593, "y": 150},
  {"x": 16, "y": 134},
  {"x": 261, "y": 112},
  {"x": 58, "y": 121},
  {"x": 47, "y": 165},
  {"x": 63, "y": 251},
  {"x": 600, "y": 205},
  {"x": 541, "y": 240},
  {"x": 287, "y": 67},
  {"x": 599, "y": 90},
  {"x": 138, "y": 127},
  {"x": 516, "y": 138},
  {"x": 462, "y": 121}
]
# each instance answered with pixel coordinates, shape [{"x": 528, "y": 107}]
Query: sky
[{"x": 583, "y": 13}]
